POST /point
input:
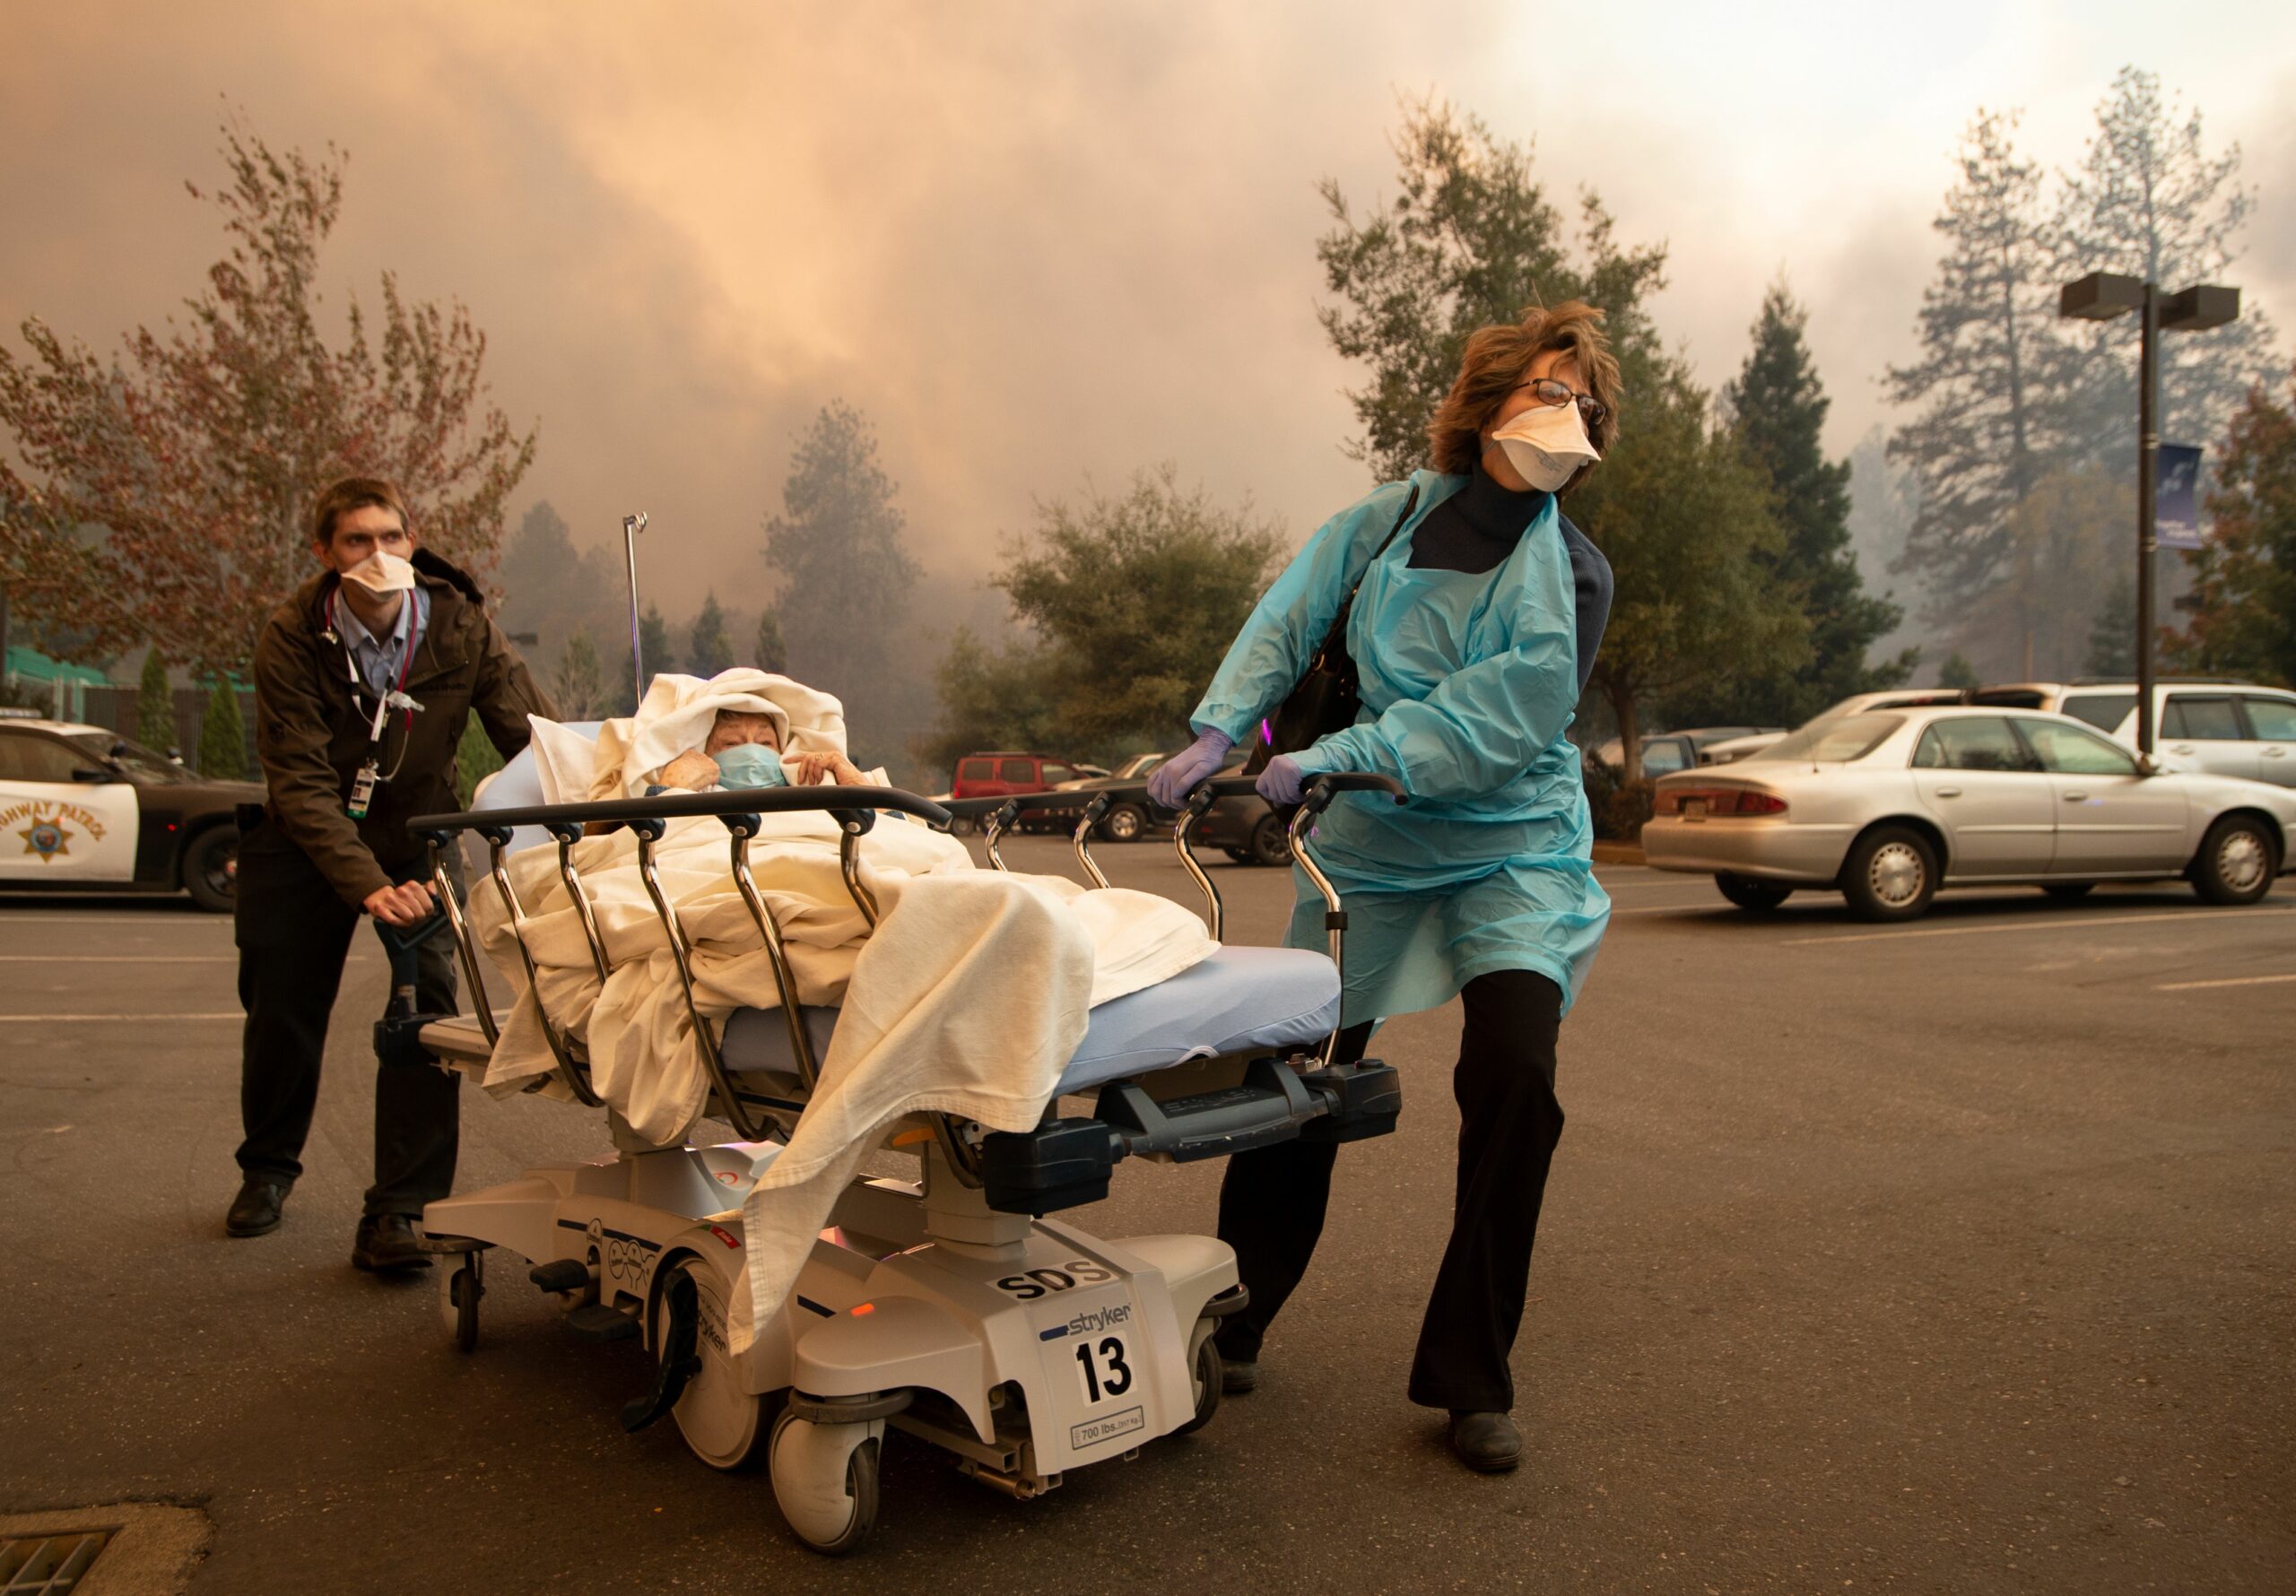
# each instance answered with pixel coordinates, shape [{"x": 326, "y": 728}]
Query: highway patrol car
[{"x": 82, "y": 808}]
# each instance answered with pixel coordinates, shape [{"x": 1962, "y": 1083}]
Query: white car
[
  {"x": 1887, "y": 806},
  {"x": 2212, "y": 724}
]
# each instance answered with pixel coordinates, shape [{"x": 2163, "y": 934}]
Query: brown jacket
[{"x": 312, "y": 738}]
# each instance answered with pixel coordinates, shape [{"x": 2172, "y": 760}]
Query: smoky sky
[{"x": 1039, "y": 245}]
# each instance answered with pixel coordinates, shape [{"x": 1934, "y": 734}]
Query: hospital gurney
[{"x": 951, "y": 1308}]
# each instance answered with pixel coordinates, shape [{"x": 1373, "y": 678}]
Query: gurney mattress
[{"x": 1239, "y": 1000}]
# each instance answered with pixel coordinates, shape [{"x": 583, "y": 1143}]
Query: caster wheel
[
  {"x": 825, "y": 1480},
  {"x": 723, "y": 1425},
  {"x": 1204, "y": 1375},
  {"x": 458, "y": 1295}
]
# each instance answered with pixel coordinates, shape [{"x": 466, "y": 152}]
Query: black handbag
[{"x": 1330, "y": 694}]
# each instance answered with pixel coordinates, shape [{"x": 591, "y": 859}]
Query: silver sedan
[{"x": 1886, "y": 807}]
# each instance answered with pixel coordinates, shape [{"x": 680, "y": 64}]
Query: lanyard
[{"x": 406, "y": 666}]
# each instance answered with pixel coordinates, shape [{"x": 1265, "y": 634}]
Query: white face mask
[
  {"x": 1548, "y": 444},
  {"x": 382, "y": 572}
]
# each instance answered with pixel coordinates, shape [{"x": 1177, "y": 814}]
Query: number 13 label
[{"x": 1106, "y": 1374}]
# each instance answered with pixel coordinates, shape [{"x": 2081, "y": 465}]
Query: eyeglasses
[{"x": 1551, "y": 392}]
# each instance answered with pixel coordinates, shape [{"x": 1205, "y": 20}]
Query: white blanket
[{"x": 970, "y": 998}]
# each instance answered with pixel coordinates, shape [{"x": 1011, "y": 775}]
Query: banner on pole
[{"x": 2176, "y": 503}]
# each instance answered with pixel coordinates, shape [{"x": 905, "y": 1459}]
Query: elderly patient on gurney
[{"x": 969, "y": 997}]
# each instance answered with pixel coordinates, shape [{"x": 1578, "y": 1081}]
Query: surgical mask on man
[
  {"x": 382, "y": 572},
  {"x": 1548, "y": 445},
  {"x": 750, "y": 765}
]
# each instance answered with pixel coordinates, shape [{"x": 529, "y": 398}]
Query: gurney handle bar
[
  {"x": 1219, "y": 786},
  {"x": 675, "y": 806}
]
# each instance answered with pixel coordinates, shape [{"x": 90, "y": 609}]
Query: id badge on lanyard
[{"x": 370, "y": 774}]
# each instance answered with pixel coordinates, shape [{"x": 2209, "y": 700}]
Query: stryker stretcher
[{"x": 951, "y": 1308}]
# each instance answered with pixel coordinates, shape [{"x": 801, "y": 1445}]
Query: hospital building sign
[{"x": 47, "y": 826}]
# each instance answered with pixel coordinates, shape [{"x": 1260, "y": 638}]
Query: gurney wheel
[
  {"x": 1204, "y": 1375},
  {"x": 722, "y": 1424},
  {"x": 458, "y": 1294},
  {"x": 825, "y": 1480}
]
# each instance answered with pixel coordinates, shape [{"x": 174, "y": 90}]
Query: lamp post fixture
[{"x": 2101, "y": 295}]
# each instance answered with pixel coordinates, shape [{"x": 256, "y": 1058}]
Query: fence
[{"x": 120, "y": 709}]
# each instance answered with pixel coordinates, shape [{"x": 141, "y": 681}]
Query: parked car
[
  {"x": 1128, "y": 820},
  {"x": 1007, "y": 774},
  {"x": 1888, "y": 806},
  {"x": 2214, "y": 723},
  {"x": 1664, "y": 752},
  {"x": 1248, "y": 829},
  {"x": 82, "y": 808}
]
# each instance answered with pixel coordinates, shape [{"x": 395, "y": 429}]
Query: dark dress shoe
[
  {"x": 388, "y": 1241},
  {"x": 255, "y": 1212},
  {"x": 1487, "y": 1443},
  {"x": 1238, "y": 1377}
]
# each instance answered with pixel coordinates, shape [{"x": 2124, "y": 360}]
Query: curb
[{"x": 1619, "y": 852}]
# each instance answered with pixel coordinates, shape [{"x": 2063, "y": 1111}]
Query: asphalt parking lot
[{"x": 1947, "y": 1257}]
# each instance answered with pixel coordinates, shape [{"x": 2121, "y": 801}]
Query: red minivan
[{"x": 1003, "y": 775}]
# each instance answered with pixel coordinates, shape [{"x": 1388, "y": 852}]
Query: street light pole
[
  {"x": 2099, "y": 296},
  {"x": 2148, "y": 467}
]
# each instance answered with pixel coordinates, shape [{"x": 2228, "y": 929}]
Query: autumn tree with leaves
[{"x": 161, "y": 493}]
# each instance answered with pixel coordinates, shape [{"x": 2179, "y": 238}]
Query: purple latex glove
[
  {"x": 1281, "y": 781},
  {"x": 1173, "y": 780}
]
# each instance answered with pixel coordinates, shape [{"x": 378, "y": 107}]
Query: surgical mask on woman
[
  {"x": 1547, "y": 444},
  {"x": 750, "y": 765}
]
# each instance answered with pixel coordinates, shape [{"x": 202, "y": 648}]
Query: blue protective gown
[{"x": 1468, "y": 682}]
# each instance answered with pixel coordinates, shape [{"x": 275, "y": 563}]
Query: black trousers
[
  {"x": 1272, "y": 1200},
  {"x": 294, "y": 933}
]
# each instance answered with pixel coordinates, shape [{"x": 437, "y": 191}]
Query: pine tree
[
  {"x": 2113, "y": 636},
  {"x": 475, "y": 758},
  {"x": 1469, "y": 241},
  {"x": 772, "y": 653},
  {"x": 1778, "y": 408},
  {"x": 577, "y": 686},
  {"x": 1994, "y": 374},
  {"x": 654, "y": 645},
  {"x": 838, "y": 552},
  {"x": 710, "y": 653},
  {"x": 155, "y": 704},
  {"x": 222, "y": 736},
  {"x": 2150, "y": 201}
]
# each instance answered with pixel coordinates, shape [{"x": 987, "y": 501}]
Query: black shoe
[
  {"x": 387, "y": 1242},
  {"x": 1238, "y": 1376},
  {"x": 255, "y": 1212},
  {"x": 1487, "y": 1443}
]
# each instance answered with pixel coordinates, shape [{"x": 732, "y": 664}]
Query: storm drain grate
[{"x": 47, "y": 1564}]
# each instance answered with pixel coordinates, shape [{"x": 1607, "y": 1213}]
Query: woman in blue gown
[{"x": 1470, "y": 634}]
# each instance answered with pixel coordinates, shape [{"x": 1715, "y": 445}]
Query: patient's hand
[
  {"x": 806, "y": 771},
  {"x": 690, "y": 770}
]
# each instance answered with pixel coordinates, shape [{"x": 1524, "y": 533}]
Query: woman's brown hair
[{"x": 1493, "y": 366}]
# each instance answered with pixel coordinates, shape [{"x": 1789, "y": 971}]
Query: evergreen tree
[
  {"x": 2150, "y": 201},
  {"x": 475, "y": 758},
  {"x": 1993, "y": 377},
  {"x": 1957, "y": 671},
  {"x": 222, "y": 736},
  {"x": 577, "y": 686},
  {"x": 772, "y": 653},
  {"x": 710, "y": 653},
  {"x": 1469, "y": 241},
  {"x": 2113, "y": 636},
  {"x": 2243, "y": 601},
  {"x": 1778, "y": 408},
  {"x": 155, "y": 704},
  {"x": 838, "y": 552}
]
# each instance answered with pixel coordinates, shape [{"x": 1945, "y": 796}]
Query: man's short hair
[
  {"x": 1493, "y": 366},
  {"x": 355, "y": 493}
]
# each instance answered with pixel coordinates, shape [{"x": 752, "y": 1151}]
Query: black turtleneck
[{"x": 1478, "y": 526}]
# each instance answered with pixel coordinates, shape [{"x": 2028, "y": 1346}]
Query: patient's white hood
[{"x": 674, "y": 716}]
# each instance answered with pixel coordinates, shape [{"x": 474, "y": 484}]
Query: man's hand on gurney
[{"x": 406, "y": 903}]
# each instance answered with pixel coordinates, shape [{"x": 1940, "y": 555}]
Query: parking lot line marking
[
  {"x": 2036, "y": 924},
  {"x": 222, "y": 922},
  {"x": 118, "y": 959},
  {"x": 77, "y": 1019},
  {"x": 2229, "y": 981}
]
